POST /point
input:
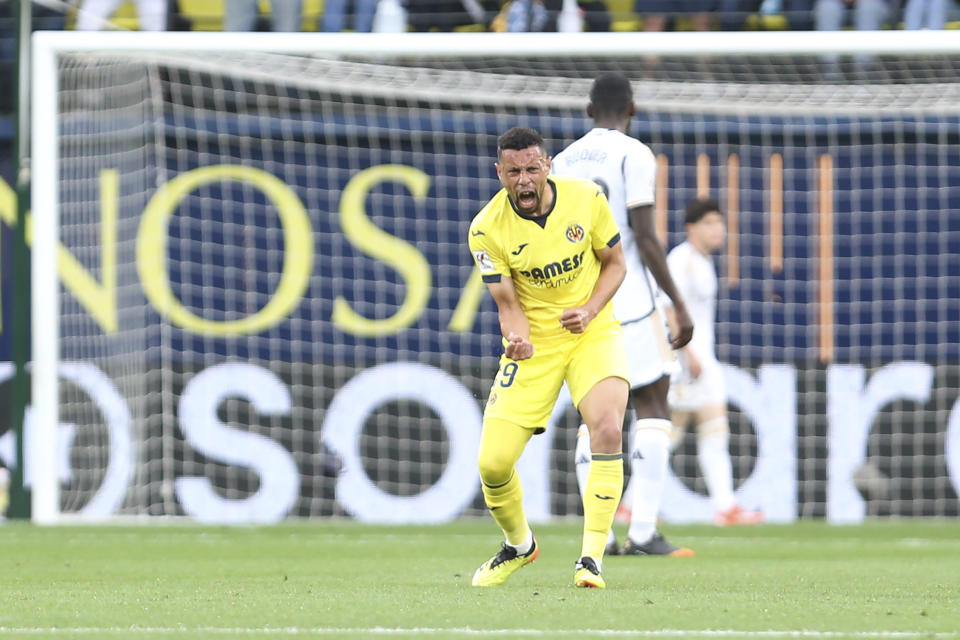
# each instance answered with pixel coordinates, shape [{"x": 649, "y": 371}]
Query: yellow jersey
[{"x": 551, "y": 259}]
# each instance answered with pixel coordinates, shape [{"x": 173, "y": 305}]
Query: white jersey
[
  {"x": 696, "y": 278},
  {"x": 625, "y": 169}
]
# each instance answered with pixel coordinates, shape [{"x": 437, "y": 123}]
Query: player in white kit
[
  {"x": 699, "y": 393},
  {"x": 625, "y": 169}
]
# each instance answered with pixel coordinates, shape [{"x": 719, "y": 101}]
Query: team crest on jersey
[{"x": 575, "y": 233}]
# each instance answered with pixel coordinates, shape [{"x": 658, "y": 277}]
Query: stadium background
[{"x": 897, "y": 287}]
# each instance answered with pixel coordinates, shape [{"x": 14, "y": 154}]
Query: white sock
[
  {"x": 713, "y": 454},
  {"x": 649, "y": 458},
  {"x": 582, "y": 457},
  {"x": 523, "y": 547}
]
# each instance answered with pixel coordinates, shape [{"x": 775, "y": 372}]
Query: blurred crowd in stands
[
  {"x": 489, "y": 15},
  {"x": 468, "y": 15}
]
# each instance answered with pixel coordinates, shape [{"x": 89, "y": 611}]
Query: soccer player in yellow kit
[{"x": 549, "y": 251}]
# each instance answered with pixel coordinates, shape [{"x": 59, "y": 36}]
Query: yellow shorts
[{"x": 524, "y": 392}]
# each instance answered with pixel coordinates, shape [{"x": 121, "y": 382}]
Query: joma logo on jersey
[
  {"x": 575, "y": 233},
  {"x": 554, "y": 269}
]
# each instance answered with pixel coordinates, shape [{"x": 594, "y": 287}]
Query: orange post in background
[
  {"x": 703, "y": 175},
  {"x": 775, "y": 189},
  {"x": 733, "y": 220},
  {"x": 661, "y": 196},
  {"x": 825, "y": 259}
]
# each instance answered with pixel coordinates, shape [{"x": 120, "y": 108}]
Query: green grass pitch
[{"x": 341, "y": 579}]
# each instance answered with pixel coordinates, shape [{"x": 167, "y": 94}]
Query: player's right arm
[
  {"x": 495, "y": 271},
  {"x": 514, "y": 324}
]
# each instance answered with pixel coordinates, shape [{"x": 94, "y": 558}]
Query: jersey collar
[{"x": 540, "y": 220}]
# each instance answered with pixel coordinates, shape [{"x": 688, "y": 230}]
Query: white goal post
[{"x": 723, "y": 126}]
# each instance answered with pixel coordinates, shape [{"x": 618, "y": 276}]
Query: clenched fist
[
  {"x": 518, "y": 347},
  {"x": 576, "y": 320}
]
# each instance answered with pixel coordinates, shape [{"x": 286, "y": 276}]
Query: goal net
[{"x": 250, "y": 266}]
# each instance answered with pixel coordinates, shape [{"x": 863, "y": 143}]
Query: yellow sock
[
  {"x": 600, "y": 500},
  {"x": 505, "y": 502}
]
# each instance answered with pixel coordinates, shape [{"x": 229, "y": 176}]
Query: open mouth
[{"x": 527, "y": 199}]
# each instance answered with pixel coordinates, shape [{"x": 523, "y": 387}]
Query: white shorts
[
  {"x": 708, "y": 389},
  {"x": 649, "y": 355}
]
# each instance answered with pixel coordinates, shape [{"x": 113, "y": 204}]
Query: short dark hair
[
  {"x": 519, "y": 138},
  {"x": 611, "y": 94},
  {"x": 699, "y": 207}
]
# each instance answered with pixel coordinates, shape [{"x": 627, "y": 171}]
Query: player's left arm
[
  {"x": 639, "y": 173},
  {"x": 689, "y": 359},
  {"x": 655, "y": 258},
  {"x": 605, "y": 242},
  {"x": 613, "y": 268}
]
